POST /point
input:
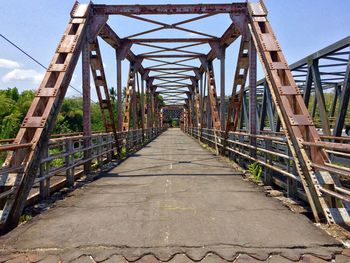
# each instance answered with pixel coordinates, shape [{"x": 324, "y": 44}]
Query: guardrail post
[
  {"x": 69, "y": 160},
  {"x": 234, "y": 146},
  {"x": 241, "y": 149},
  {"x": 109, "y": 147},
  {"x": 129, "y": 136},
  {"x": 200, "y": 133},
  {"x": 139, "y": 138},
  {"x": 44, "y": 184},
  {"x": 268, "y": 160},
  {"x": 120, "y": 144},
  {"x": 87, "y": 155},
  {"x": 132, "y": 141},
  {"x": 99, "y": 149}
]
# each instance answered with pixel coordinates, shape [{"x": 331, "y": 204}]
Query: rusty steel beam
[
  {"x": 222, "y": 89},
  {"x": 168, "y": 9},
  {"x": 102, "y": 91},
  {"x": 239, "y": 80},
  {"x": 119, "y": 91},
  {"x": 165, "y": 77},
  {"x": 172, "y": 56},
  {"x": 227, "y": 38},
  {"x": 295, "y": 119},
  {"x": 85, "y": 61},
  {"x": 196, "y": 102},
  {"x": 171, "y": 40},
  {"x": 213, "y": 100},
  {"x": 252, "y": 96},
  {"x": 108, "y": 35},
  {"x": 41, "y": 116},
  {"x": 128, "y": 100},
  {"x": 175, "y": 69}
]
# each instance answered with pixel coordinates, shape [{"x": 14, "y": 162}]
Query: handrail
[
  {"x": 273, "y": 154},
  {"x": 67, "y": 153}
]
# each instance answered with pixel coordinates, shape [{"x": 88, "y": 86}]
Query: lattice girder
[{"x": 41, "y": 116}]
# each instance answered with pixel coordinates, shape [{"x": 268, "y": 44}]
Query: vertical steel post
[
  {"x": 201, "y": 102},
  {"x": 152, "y": 108},
  {"x": 308, "y": 85},
  {"x": 193, "y": 111},
  {"x": 252, "y": 96},
  {"x": 119, "y": 91},
  {"x": 320, "y": 98},
  {"x": 344, "y": 102},
  {"x": 204, "y": 105},
  {"x": 69, "y": 159},
  {"x": 134, "y": 103},
  {"x": 209, "y": 121},
  {"x": 335, "y": 99},
  {"x": 263, "y": 109},
  {"x": 142, "y": 105},
  {"x": 222, "y": 89},
  {"x": 86, "y": 104}
]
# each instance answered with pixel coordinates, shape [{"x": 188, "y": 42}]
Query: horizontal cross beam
[
  {"x": 169, "y": 9},
  {"x": 171, "y": 40},
  {"x": 171, "y": 56}
]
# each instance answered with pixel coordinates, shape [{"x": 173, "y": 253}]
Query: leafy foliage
[
  {"x": 14, "y": 106},
  {"x": 256, "y": 170},
  {"x": 175, "y": 122}
]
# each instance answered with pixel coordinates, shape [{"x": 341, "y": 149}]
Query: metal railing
[
  {"x": 273, "y": 154},
  {"x": 65, "y": 158}
]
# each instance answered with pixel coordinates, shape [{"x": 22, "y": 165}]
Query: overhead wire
[{"x": 36, "y": 61}]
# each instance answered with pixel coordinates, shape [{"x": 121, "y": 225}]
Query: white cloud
[
  {"x": 23, "y": 75},
  {"x": 193, "y": 34},
  {"x": 11, "y": 64}
]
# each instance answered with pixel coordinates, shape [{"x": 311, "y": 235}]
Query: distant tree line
[{"x": 14, "y": 106}]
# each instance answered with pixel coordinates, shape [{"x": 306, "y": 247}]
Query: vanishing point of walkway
[{"x": 172, "y": 201}]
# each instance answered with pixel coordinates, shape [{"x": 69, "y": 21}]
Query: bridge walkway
[{"x": 171, "y": 201}]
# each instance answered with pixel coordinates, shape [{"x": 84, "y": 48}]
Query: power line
[{"x": 36, "y": 61}]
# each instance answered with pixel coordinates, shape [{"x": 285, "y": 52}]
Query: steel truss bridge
[{"x": 266, "y": 122}]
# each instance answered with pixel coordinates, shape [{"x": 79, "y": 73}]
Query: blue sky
[{"x": 301, "y": 26}]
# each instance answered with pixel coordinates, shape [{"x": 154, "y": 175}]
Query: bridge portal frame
[{"x": 249, "y": 20}]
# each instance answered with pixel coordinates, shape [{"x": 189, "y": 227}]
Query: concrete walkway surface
[{"x": 172, "y": 201}]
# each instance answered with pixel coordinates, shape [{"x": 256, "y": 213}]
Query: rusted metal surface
[
  {"x": 128, "y": 100},
  {"x": 41, "y": 116},
  {"x": 213, "y": 97},
  {"x": 85, "y": 61},
  {"x": 169, "y": 9},
  {"x": 103, "y": 95},
  {"x": 239, "y": 80},
  {"x": 294, "y": 116}
]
